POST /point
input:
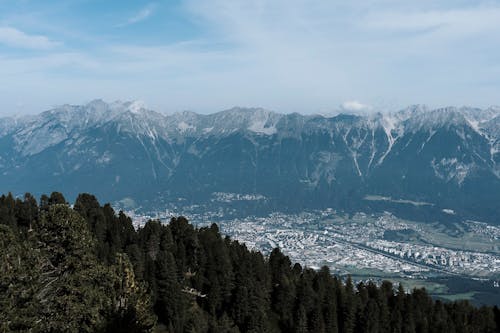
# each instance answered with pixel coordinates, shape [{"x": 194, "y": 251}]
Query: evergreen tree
[
  {"x": 170, "y": 304},
  {"x": 74, "y": 285},
  {"x": 20, "y": 268},
  {"x": 8, "y": 211},
  {"x": 57, "y": 198},
  {"x": 29, "y": 211},
  {"x": 88, "y": 207},
  {"x": 54, "y": 283},
  {"x": 133, "y": 311},
  {"x": 347, "y": 307},
  {"x": 87, "y": 270}
]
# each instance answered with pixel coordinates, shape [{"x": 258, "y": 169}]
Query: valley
[
  {"x": 408, "y": 195},
  {"x": 366, "y": 246}
]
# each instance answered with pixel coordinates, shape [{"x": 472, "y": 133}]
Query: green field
[
  {"x": 456, "y": 297},
  {"x": 455, "y": 237}
]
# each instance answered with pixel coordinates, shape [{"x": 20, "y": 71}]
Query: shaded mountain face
[{"x": 434, "y": 164}]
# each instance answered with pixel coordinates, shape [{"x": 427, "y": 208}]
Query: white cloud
[
  {"x": 355, "y": 106},
  {"x": 16, "y": 38},
  {"x": 141, "y": 15},
  {"x": 447, "y": 23},
  {"x": 13, "y": 67},
  {"x": 286, "y": 55},
  {"x": 322, "y": 51}
]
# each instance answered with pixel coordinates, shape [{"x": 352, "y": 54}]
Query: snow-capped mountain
[{"x": 446, "y": 158}]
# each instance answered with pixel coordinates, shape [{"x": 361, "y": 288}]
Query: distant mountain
[{"x": 433, "y": 164}]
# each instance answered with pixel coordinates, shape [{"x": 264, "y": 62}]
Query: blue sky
[{"x": 284, "y": 55}]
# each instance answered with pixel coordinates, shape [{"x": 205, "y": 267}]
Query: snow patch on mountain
[
  {"x": 451, "y": 169},
  {"x": 260, "y": 126},
  {"x": 389, "y": 123},
  {"x": 207, "y": 130},
  {"x": 184, "y": 127},
  {"x": 368, "y": 139}
]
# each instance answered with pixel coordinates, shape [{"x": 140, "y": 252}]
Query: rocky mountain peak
[{"x": 123, "y": 149}]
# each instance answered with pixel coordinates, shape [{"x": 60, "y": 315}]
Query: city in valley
[{"x": 449, "y": 259}]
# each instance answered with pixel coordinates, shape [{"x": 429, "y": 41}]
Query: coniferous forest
[{"x": 86, "y": 269}]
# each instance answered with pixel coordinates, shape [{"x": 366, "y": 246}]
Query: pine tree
[
  {"x": 329, "y": 301},
  {"x": 347, "y": 307},
  {"x": 133, "y": 310},
  {"x": 28, "y": 211},
  {"x": 8, "y": 211},
  {"x": 52, "y": 280},
  {"x": 88, "y": 207},
  {"x": 283, "y": 288},
  {"x": 20, "y": 269},
  {"x": 74, "y": 285},
  {"x": 170, "y": 302},
  {"x": 57, "y": 198},
  {"x": 301, "y": 320}
]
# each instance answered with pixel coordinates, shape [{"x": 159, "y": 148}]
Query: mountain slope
[{"x": 446, "y": 158}]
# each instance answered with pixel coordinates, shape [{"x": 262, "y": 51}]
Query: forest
[{"x": 84, "y": 268}]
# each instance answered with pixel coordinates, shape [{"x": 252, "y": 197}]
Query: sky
[{"x": 284, "y": 55}]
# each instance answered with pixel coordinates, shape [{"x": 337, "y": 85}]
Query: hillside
[
  {"x": 421, "y": 162},
  {"x": 85, "y": 269}
]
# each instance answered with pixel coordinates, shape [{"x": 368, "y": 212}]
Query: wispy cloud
[
  {"x": 447, "y": 23},
  {"x": 322, "y": 51},
  {"x": 287, "y": 55},
  {"x": 141, "y": 15},
  {"x": 16, "y": 38}
]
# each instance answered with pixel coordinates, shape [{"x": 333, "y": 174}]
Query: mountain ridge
[{"x": 448, "y": 156}]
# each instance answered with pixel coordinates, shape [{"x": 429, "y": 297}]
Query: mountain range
[{"x": 427, "y": 163}]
